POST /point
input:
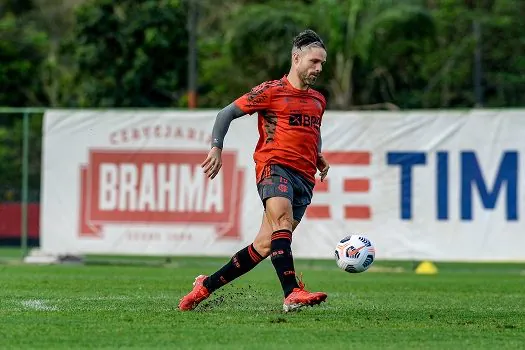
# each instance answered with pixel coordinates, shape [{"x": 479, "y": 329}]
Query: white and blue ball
[{"x": 354, "y": 253}]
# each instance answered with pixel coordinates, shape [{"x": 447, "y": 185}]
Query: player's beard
[{"x": 308, "y": 79}]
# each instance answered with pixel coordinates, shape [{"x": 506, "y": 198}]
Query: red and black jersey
[{"x": 289, "y": 122}]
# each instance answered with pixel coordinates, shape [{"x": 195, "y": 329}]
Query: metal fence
[{"x": 20, "y": 153}]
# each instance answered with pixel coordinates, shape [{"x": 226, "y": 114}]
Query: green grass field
[{"x": 111, "y": 303}]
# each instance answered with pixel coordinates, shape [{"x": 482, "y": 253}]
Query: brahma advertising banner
[{"x": 439, "y": 185}]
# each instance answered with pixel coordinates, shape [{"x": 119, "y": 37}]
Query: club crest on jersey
[{"x": 283, "y": 188}]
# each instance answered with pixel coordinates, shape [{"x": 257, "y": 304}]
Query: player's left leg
[
  {"x": 242, "y": 261},
  {"x": 239, "y": 264},
  {"x": 245, "y": 259}
]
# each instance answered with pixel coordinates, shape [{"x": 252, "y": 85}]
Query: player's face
[{"x": 310, "y": 65}]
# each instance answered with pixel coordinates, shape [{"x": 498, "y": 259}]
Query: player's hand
[
  {"x": 213, "y": 162},
  {"x": 323, "y": 166}
]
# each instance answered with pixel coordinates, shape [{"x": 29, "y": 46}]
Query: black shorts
[{"x": 285, "y": 182}]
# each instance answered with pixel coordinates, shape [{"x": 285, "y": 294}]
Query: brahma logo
[{"x": 159, "y": 187}]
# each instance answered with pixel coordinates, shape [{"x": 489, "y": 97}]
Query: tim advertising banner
[{"x": 422, "y": 185}]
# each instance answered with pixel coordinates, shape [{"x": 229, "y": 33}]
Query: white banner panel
[{"x": 422, "y": 185}]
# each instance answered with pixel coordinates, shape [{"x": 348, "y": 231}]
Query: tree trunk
[{"x": 341, "y": 86}]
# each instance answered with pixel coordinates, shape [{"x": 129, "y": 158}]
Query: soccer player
[{"x": 287, "y": 157}]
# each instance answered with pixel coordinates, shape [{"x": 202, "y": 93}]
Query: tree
[
  {"x": 11, "y": 137},
  {"x": 369, "y": 37},
  {"x": 130, "y": 53},
  {"x": 56, "y": 18},
  {"x": 503, "y": 52},
  {"x": 353, "y": 31},
  {"x": 15, "y": 7},
  {"x": 252, "y": 43},
  {"x": 22, "y": 52}
]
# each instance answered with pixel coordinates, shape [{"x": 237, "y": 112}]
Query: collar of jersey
[{"x": 287, "y": 82}]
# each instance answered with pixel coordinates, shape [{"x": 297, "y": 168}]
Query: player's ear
[{"x": 295, "y": 58}]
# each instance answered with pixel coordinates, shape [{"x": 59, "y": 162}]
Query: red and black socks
[
  {"x": 282, "y": 260},
  {"x": 243, "y": 261}
]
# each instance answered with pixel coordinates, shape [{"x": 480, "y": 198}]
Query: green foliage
[
  {"x": 504, "y": 52},
  {"x": 130, "y": 53},
  {"x": 11, "y": 140},
  {"x": 262, "y": 24},
  {"x": 133, "y": 53},
  {"x": 411, "y": 53},
  {"x": 253, "y": 44},
  {"x": 22, "y": 51},
  {"x": 366, "y": 41},
  {"x": 16, "y": 7}
]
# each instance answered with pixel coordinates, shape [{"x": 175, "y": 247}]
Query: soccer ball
[{"x": 354, "y": 253}]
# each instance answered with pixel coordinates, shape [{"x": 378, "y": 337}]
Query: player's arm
[
  {"x": 222, "y": 123},
  {"x": 213, "y": 163},
  {"x": 256, "y": 100}
]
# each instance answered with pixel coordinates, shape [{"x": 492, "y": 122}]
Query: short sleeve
[{"x": 258, "y": 99}]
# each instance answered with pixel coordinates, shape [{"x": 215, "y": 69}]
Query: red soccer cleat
[
  {"x": 300, "y": 297},
  {"x": 198, "y": 294}
]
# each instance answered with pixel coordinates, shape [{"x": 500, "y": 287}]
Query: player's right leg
[
  {"x": 240, "y": 263},
  {"x": 279, "y": 213}
]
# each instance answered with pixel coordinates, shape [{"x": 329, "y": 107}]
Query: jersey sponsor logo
[{"x": 305, "y": 120}]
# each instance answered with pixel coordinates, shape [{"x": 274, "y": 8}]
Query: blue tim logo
[{"x": 472, "y": 179}]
